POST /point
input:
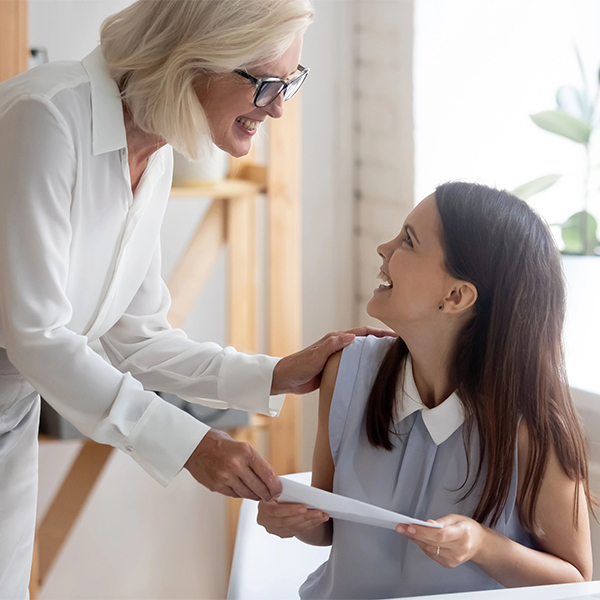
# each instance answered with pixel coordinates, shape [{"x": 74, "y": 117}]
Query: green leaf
[
  {"x": 559, "y": 122},
  {"x": 571, "y": 101},
  {"x": 579, "y": 233},
  {"x": 582, "y": 71},
  {"x": 536, "y": 186}
]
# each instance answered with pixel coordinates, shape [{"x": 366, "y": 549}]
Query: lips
[
  {"x": 387, "y": 281},
  {"x": 248, "y": 124}
]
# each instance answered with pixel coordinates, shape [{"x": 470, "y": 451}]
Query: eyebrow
[
  {"x": 410, "y": 229},
  {"x": 267, "y": 75},
  {"x": 294, "y": 71}
]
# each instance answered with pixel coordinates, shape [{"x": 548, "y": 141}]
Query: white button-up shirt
[{"x": 80, "y": 261}]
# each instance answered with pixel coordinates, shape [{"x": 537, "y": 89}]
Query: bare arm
[
  {"x": 290, "y": 519},
  {"x": 323, "y": 468},
  {"x": 566, "y": 554}
]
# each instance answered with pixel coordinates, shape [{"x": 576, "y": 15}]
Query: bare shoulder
[
  {"x": 561, "y": 508},
  {"x": 331, "y": 369},
  {"x": 328, "y": 379},
  {"x": 323, "y": 467},
  {"x": 553, "y": 467}
]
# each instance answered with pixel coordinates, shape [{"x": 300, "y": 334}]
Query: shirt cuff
[
  {"x": 164, "y": 439},
  {"x": 245, "y": 382}
]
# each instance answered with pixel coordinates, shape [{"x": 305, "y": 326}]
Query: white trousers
[{"x": 19, "y": 421}]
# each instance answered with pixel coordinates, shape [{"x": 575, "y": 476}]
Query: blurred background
[{"x": 402, "y": 95}]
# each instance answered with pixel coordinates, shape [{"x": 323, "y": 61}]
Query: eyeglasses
[{"x": 268, "y": 89}]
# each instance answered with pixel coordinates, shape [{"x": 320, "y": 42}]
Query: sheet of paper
[{"x": 340, "y": 507}]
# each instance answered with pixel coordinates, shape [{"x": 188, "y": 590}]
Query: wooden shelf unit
[
  {"x": 231, "y": 219},
  {"x": 14, "y": 38},
  {"x": 218, "y": 190}
]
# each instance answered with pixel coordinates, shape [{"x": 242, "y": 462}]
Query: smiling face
[
  {"x": 415, "y": 282},
  {"x": 227, "y": 100}
]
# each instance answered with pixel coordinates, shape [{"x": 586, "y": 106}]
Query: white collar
[
  {"x": 108, "y": 126},
  {"x": 441, "y": 421}
]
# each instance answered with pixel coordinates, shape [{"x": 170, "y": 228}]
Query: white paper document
[{"x": 341, "y": 507}]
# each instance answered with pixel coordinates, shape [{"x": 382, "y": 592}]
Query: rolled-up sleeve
[{"x": 38, "y": 168}]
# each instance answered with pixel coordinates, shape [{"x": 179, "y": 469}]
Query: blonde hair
[{"x": 155, "y": 49}]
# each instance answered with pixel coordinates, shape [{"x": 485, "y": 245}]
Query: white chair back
[{"x": 266, "y": 567}]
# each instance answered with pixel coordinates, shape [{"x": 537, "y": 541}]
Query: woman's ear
[{"x": 462, "y": 296}]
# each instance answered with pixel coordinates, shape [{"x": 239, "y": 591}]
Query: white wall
[
  {"x": 328, "y": 272},
  {"x": 326, "y": 172},
  {"x": 384, "y": 155}
]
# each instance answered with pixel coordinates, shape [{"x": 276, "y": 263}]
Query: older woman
[{"x": 85, "y": 172}]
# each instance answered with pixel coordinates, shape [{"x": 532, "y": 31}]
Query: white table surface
[{"x": 566, "y": 591}]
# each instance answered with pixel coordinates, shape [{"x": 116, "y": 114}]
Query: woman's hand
[
  {"x": 289, "y": 519},
  {"x": 300, "y": 373},
  {"x": 232, "y": 468},
  {"x": 459, "y": 541}
]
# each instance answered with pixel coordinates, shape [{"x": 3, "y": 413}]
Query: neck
[
  {"x": 140, "y": 144},
  {"x": 431, "y": 353}
]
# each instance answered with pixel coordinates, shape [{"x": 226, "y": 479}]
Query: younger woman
[{"x": 465, "y": 418}]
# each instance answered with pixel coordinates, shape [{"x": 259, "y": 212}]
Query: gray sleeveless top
[{"x": 421, "y": 477}]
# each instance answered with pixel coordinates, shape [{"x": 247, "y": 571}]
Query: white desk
[{"x": 566, "y": 591}]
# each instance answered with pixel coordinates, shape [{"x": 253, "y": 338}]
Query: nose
[
  {"x": 384, "y": 250},
  {"x": 275, "y": 109}
]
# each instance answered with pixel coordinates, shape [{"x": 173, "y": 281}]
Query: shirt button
[{"x": 129, "y": 449}]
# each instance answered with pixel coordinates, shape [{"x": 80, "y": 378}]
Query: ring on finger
[{"x": 437, "y": 552}]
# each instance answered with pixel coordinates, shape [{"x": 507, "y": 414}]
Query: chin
[
  {"x": 237, "y": 152},
  {"x": 236, "y": 148},
  {"x": 372, "y": 311},
  {"x": 371, "y": 308}
]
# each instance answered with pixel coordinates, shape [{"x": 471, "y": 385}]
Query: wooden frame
[{"x": 14, "y": 38}]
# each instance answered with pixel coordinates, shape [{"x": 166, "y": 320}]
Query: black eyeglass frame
[{"x": 260, "y": 84}]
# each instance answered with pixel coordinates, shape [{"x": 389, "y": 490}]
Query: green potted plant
[{"x": 576, "y": 118}]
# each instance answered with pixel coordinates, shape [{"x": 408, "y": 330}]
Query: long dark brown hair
[{"x": 508, "y": 362}]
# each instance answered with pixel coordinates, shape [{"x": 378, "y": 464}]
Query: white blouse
[{"x": 80, "y": 261}]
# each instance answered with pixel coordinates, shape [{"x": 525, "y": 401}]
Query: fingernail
[
  {"x": 348, "y": 337},
  {"x": 400, "y": 529},
  {"x": 412, "y": 530}
]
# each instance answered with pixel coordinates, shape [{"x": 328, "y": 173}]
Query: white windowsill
[{"x": 582, "y": 325}]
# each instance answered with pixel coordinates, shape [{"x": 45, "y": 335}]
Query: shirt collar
[
  {"x": 441, "y": 421},
  {"x": 108, "y": 126}
]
